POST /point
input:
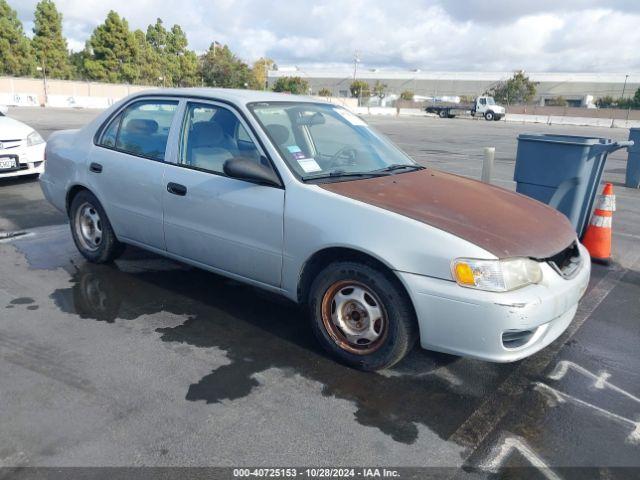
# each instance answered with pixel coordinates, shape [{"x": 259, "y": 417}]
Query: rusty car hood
[{"x": 504, "y": 223}]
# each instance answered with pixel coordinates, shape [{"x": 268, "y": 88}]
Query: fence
[
  {"x": 62, "y": 93},
  {"x": 603, "y": 113}
]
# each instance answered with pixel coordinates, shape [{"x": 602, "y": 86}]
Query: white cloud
[{"x": 568, "y": 35}]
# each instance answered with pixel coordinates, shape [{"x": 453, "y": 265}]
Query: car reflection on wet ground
[{"x": 259, "y": 331}]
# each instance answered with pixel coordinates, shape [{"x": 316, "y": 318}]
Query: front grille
[
  {"x": 10, "y": 144},
  {"x": 516, "y": 338},
  {"x": 566, "y": 262}
]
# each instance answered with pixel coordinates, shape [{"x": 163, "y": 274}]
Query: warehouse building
[{"x": 579, "y": 89}]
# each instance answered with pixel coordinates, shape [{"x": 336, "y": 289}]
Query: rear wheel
[
  {"x": 362, "y": 316},
  {"x": 443, "y": 113},
  {"x": 91, "y": 230}
]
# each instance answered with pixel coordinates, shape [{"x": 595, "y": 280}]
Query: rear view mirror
[
  {"x": 249, "y": 170},
  {"x": 310, "y": 118}
]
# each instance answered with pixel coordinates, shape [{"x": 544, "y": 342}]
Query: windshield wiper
[
  {"x": 399, "y": 166},
  {"x": 342, "y": 173},
  {"x": 373, "y": 173}
]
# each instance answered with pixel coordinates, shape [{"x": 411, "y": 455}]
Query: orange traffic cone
[{"x": 597, "y": 239}]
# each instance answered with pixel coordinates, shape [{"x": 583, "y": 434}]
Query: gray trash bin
[
  {"x": 563, "y": 171},
  {"x": 632, "y": 178}
]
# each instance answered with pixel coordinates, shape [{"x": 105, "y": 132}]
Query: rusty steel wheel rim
[
  {"x": 88, "y": 226},
  {"x": 354, "y": 317}
]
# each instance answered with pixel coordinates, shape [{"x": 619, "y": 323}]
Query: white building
[{"x": 574, "y": 87}]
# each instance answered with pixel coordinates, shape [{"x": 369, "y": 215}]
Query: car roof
[{"x": 237, "y": 96}]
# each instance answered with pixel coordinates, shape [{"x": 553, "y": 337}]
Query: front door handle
[
  {"x": 176, "y": 189},
  {"x": 95, "y": 167}
]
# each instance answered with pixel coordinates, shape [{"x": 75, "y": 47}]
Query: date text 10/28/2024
[{"x": 315, "y": 473}]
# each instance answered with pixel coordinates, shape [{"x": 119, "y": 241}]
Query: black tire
[
  {"x": 443, "y": 114},
  {"x": 488, "y": 116},
  {"x": 400, "y": 326},
  {"x": 107, "y": 247}
]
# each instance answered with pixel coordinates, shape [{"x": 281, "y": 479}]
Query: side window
[
  {"x": 211, "y": 135},
  {"x": 483, "y": 101},
  {"x": 144, "y": 129},
  {"x": 109, "y": 135}
]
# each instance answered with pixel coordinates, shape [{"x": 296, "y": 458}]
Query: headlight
[
  {"x": 34, "y": 138},
  {"x": 496, "y": 275}
]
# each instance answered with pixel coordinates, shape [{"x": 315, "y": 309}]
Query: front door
[{"x": 231, "y": 225}]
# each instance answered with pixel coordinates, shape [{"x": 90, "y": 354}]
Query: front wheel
[
  {"x": 362, "y": 316},
  {"x": 92, "y": 233},
  {"x": 488, "y": 116},
  {"x": 443, "y": 114}
]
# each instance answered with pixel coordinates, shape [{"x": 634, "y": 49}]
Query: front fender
[{"x": 316, "y": 219}]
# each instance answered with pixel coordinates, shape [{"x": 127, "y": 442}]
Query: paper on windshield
[
  {"x": 350, "y": 117},
  {"x": 309, "y": 165}
]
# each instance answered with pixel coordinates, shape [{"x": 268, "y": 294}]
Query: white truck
[{"x": 483, "y": 105}]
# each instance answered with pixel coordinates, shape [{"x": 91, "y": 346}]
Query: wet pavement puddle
[{"x": 259, "y": 331}]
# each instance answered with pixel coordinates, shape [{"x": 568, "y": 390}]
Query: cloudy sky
[{"x": 456, "y": 35}]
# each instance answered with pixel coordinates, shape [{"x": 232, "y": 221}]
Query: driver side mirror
[{"x": 251, "y": 171}]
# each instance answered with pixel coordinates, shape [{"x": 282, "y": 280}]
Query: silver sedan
[{"x": 304, "y": 199}]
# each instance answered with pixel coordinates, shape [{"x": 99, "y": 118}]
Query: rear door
[
  {"x": 126, "y": 169},
  {"x": 231, "y": 225}
]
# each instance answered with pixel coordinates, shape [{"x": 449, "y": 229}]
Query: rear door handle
[
  {"x": 95, "y": 167},
  {"x": 176, "y": 189}
]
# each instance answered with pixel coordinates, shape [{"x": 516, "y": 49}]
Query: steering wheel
[{"x": 346, "y": 156}]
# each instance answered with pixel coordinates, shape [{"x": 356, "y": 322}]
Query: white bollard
[{"x": 487, "y": 164}]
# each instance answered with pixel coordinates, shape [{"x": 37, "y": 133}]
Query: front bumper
[
  {"x": 473, "y": 323},
  {"x": 30, "y": 161}
]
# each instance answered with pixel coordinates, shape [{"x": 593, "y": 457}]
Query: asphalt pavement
[{"x": 148, "y": 362}]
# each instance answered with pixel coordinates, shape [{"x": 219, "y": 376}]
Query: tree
[
  {"x": 182, "y": 63},
  {"x": 559, "y": 101},
  {"x": 221, "y": 68},
  {"x": 77, "y": 61},
  {"x": 360, "y": 89},
  {"x": 606, "y": 102},
  {"x": 154, "y": 49},
  {"x": 49, "y": 45},
  {"x": 407, "y": 95},
  {"x": 149, "y": 64},
  {"x": 177, "y": 65},
  {"x": 325, "y": 92},
  {"x": 260, "y": 69},
  {"x": 114, "y": 52},
  {"x": 16, "y": 54},
  {"x": 295, "y": 85},
  {"x": 517, "y": 89},
  {"x": 380, "y": 89},
  {"x": 636, "y": 98}
]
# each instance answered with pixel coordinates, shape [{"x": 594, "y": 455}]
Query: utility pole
[
  {"x": 356, "y": 60},
  {"x": 44, "y": 79},
  {"x": 624, "y": 87}
]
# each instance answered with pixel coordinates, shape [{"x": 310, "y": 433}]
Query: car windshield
[
  {"x": 321, "y": 141},
  {"x": 490, "y": 101}
]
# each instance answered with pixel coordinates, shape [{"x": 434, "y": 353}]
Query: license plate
[{"x": 8, "y": 163}]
